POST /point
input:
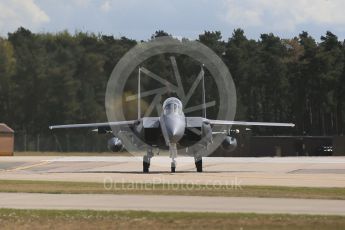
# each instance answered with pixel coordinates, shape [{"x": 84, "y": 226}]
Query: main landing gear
[
  {"x": 147, "y": 160},
  {"x": 146, "y": 164},
  {"x": 198, "y": 163},
  {"x": 173, "y": 166}
]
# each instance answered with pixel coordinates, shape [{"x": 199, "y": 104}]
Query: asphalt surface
[
  {"x": 171, "y": 203},
  {"x": 274, "y": 171}
]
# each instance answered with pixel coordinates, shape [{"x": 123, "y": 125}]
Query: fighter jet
[{"x": 172, "y": 129}]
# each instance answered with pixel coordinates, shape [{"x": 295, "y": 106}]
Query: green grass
[
  {"x": 76, "y": 219},
  {"x": 170, "y": 189}
]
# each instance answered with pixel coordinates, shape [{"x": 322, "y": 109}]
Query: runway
[
  {"x": 283, "y": 171},
  {"x": 171, "y": 203}
]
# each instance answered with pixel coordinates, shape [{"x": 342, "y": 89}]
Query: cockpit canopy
[{"x": 172, "y": 105}]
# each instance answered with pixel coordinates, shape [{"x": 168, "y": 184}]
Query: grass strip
[{"x": 77, "y": 219}]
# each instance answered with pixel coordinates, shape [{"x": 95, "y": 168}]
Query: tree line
[{"x": 61, "y": 78}]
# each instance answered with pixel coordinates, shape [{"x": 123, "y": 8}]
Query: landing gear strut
[
  {"x": 173, "y": 155},
  {"x": 147, "y": 160}
]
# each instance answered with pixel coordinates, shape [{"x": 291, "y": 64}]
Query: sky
[{"x": 139, "y": 19}]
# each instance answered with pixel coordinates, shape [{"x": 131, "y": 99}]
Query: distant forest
[{"x": 61, "y": 78}]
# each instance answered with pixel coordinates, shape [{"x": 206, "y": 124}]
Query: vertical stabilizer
[
  {"x": 139, "y": 94},
  {"x": 203, "y": 92}
]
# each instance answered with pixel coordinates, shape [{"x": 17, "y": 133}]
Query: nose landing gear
[{"x": 173, "y": 155}]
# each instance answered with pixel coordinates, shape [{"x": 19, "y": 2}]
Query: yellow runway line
[{"x": 27, "y": 167}]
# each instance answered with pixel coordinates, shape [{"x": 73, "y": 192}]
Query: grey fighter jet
[{"x": 171, "y": 130}]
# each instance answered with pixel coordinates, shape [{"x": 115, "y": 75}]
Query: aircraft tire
[
  {"x": 145, "y": 167},
  {"x": 198, "y": 165}
]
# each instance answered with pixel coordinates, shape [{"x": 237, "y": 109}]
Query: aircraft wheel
[
  {"x": 145, "y": 167},
  {"x": 198, "y": 165},
  {"x": 146, "y": 164},
  {"x": 173, "y": 166}
]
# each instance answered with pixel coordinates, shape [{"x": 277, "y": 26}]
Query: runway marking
[
  {"x": 27, "y": 166},
  {"x": 318, "y": 171},
  {"x": 95, "y": 159}
]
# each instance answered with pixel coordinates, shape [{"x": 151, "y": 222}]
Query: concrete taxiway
[
  {"x": 284, "y": 171},
  {"x": 171, "y": 203}
]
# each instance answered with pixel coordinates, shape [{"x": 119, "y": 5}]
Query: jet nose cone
[
  {"x": 175, "y": 131},
  {"x": 174, "y": 128}
]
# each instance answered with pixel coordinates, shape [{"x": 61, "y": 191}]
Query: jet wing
[
  {"x": 245, "y": 123},
  {"x": 94, "y": 125}
]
